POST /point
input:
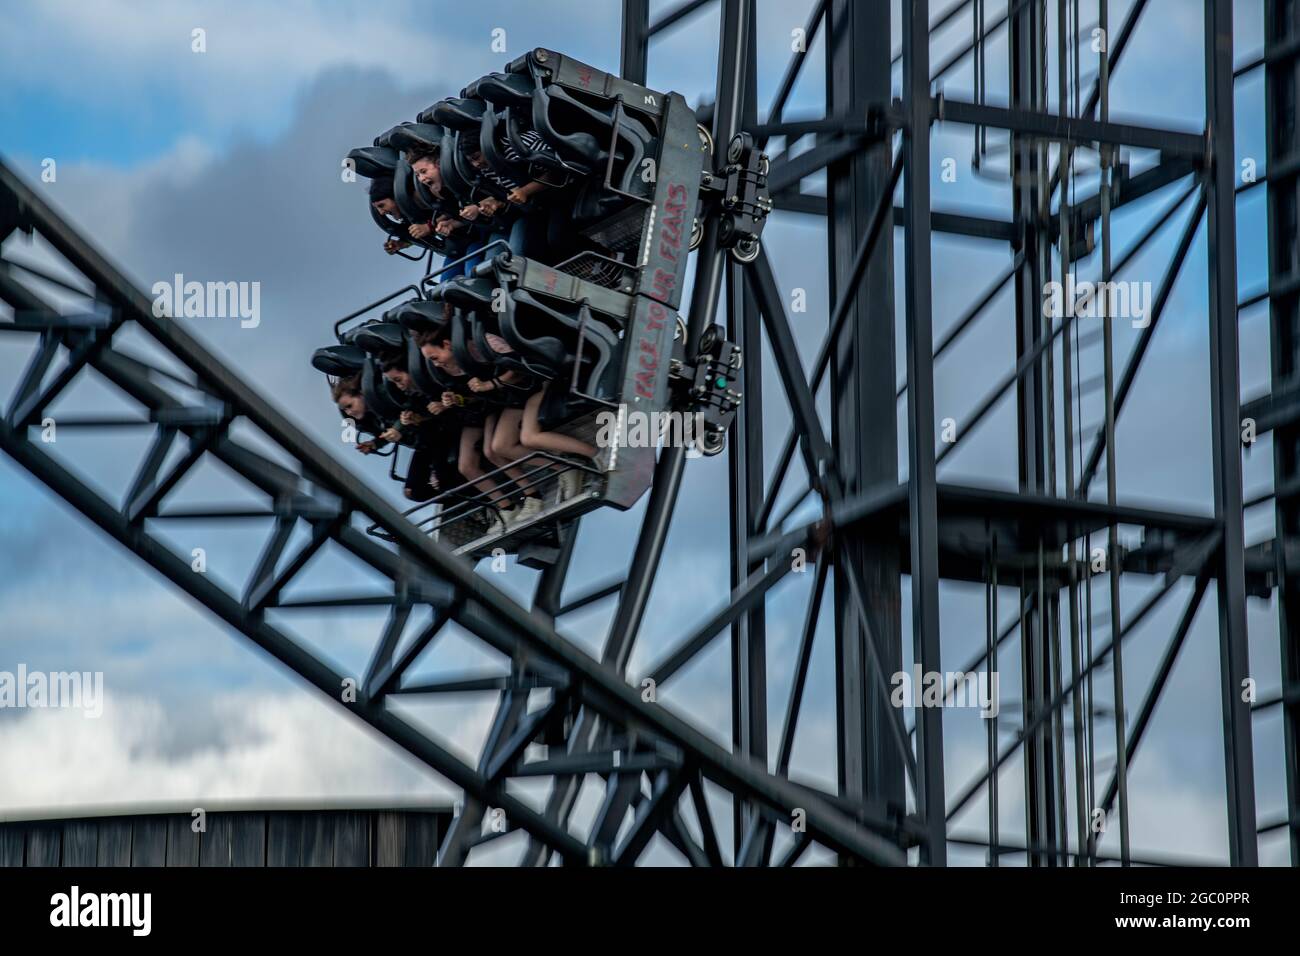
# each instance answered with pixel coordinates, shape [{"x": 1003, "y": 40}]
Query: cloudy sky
[{"x": 225, "y": 165}]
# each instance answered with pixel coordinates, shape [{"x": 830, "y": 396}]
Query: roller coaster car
[
  {"x": 600, "y": 328},
  {"x": 596, "y": 347}
]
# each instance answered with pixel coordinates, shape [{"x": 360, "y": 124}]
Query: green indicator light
[{"x": 722, "y": 382}]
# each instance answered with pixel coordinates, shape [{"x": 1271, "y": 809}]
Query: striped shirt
[
  {"x": 492, "y": 176},
  {"x": 532, "y": 141}
]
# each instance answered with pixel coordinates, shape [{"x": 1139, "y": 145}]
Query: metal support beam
[
  {"x": 1225, "y": 404},
  {"x": 636, "y": 40},
  {"x": 859, "y": 354},
  {"x": 923, "y": 521},
  {"x": 745, "y": 481},
  {"x": 1281, "y": 79},
  {"x": 1078, "y": 130}
]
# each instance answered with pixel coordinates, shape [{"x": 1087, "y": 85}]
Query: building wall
[{"x": 335, "y": 837}]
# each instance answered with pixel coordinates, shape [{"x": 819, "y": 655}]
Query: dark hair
[
  {"x": 469, "y": 145},
  {"x": 424, "y": 151},
  {"x": 393, "y": 360},
  {"x": 381, "y": 187},
  {"x": 432, "y": 335},
  {"x": 345, "y": 386}
]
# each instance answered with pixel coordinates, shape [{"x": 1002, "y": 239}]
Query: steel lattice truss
[{"x": 892, "y": 797}]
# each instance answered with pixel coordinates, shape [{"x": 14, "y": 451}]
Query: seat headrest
[
  {"x": 414, "y": 135},
  {"x": 416, "y": 314},
  {"x": 470, "y": 293},
  {"x": 465, "y": 113},
  {"x": 380, "y": 337},
  {"x": 374, "y": 161},
  {"x": 503, "y": 89},
  {"x": 338, "y": 360}
]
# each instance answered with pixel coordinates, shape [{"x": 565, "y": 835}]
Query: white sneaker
[
  {"x": 526, "y": 512},
  {"x": 500, "y": 521},
  {"x": 571, "y": 483}
]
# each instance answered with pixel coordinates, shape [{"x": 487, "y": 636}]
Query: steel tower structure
[{"x": 877, "y": 538}]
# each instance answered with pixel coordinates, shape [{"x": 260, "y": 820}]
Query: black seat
[
  {"x": 379, "y": 394},
  {"x": 483, "y": 324},
  {"x": 467, "y": 292},
  {"x": 339, "y": 361},
  {"x": 503, "y": 89},
  {"x": 460, "y": 114},
  {"x": 409, "y": 136},
  {"x": 409, "y": 201},
  {"x": 416, "y": 314},
  {"x": 425, "y": 376},
  {"x": 412, "y": 316},
  {"x": 379, "y": 337},
  {"x": 458, "y": 174},
  {"x": 546, "y": 354},
  {"x": 633, "y": 140},
  {"x": 374, "y": 161},
  {"x": 596, "y": 335},
  {"x": 579, "y": 146},
  {"x": 491, "y": 130},
  {"x": 562, "y": 110},
  {"x": 478, "y": 366}
]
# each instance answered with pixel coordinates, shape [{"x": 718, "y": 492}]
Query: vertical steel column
[
  {"x": 864, "y": 429},
  {"x": 1065, "y": 42},
  {"x": 745, "y": 478},
  {"x": 634, "y": 50},
  {"x": 922, "y": 500},
  {"x": 703, "y": 307},
  {"x": 635, "y": 594},
  {"x": 1026, "y": 78},
  {"x": 1113, "y": 559},
  {"x": 1282, "y": 74},
  {"x": 1225, "y": 396}
]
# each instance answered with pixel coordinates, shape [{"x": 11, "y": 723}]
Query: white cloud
[{"x": 291, "y": 747}]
